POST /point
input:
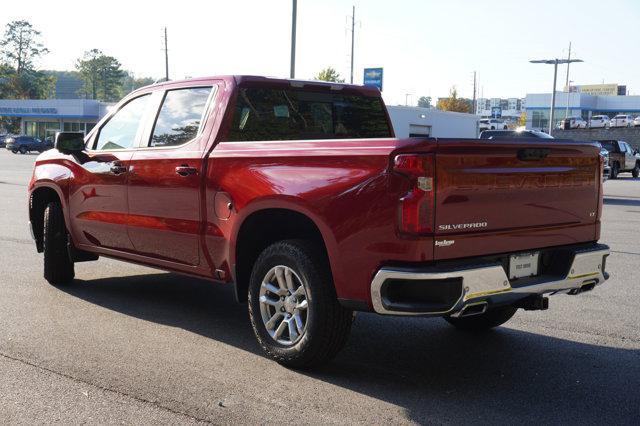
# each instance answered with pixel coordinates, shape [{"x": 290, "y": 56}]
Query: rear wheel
[
  {"x": 490, "y": 319},
  {"x": 58, "y": 267},
  {"x": 293, "y": 307},
  {"x": 636, "y": 171}
]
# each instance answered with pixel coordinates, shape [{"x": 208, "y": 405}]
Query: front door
[
  {"x": 98, "y": 190},
  {"x": 165, "y": 179}
]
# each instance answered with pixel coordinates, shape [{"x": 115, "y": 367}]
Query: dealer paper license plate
[{"x": 523, "y": 265}]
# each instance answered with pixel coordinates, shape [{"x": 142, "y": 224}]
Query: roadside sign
[
  {"x": 373, "y": 77},
  {"x": 496, "y": 112}
]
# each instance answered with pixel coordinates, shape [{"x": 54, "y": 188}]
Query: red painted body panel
[{"x": 151, "y": 215}]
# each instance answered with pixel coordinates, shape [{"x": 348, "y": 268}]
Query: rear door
[
  {"x": 503, "y": 196},
  {"x": 166, "y": 175}
]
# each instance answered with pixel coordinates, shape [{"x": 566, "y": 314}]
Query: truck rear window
[{"x": 289, "y": 114}]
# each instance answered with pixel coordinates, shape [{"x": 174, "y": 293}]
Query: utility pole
[
  {"x": 294, "y": 18},
  {"x": 166, "y": 56},
  {"x": 568, "y": 88},
  {"x": 353, "y": 37},
  {"x": 475, "y": 106}
]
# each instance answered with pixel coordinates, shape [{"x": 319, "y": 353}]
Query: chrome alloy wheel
[{"x": 283, "y": 305}]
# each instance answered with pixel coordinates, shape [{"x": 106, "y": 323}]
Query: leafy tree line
[{"x": 102, "y": 76}]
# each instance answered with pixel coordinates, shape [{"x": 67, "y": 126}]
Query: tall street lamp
[{"x": 555, "y": 63}]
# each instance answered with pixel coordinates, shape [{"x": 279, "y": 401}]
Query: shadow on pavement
[
  {"x": 435, "y": 373},
  {"x": 609, "y": 201}
]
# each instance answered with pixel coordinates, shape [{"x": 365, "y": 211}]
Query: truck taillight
[{"x": 416, "y": 215}]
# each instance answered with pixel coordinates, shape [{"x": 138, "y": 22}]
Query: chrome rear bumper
[{"x": 489, "y": 284}]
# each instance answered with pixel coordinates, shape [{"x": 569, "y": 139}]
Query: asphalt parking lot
[{"x": 131, "y": 344}]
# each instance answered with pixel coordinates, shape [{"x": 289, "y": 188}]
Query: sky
[{"x": 424, "y": 46}]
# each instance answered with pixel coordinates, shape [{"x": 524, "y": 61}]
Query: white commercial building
[
  {"x": 430, "y": 122},
  {"x": 538, "y": 107},
  {"x": 508, "y": 108},
  {"x": 43, "y": 118}
]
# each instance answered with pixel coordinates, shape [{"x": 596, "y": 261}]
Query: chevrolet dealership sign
[
  {"x": 30, "y": 110},
  {"x": 596, "y": 89}
]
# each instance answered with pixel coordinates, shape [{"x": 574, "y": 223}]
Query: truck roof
[{"x": 277, "y": 82}]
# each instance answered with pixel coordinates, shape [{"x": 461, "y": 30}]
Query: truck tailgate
[{"x": 505, "y": 196}]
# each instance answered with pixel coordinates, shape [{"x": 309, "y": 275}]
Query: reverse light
[{"x": 416, "y": 212}]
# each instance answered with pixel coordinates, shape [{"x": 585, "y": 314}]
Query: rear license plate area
[{"x": 523, "y": 265}]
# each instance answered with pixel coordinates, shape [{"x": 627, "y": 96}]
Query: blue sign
[
  {"x": 373, "y": 77},
  {"x": 496, "y": 112}
]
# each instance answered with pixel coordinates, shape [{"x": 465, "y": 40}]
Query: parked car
[
  {"x": 3, "y": 143},
  {"x": 572, "y": 123},
  {"x": 514, "y": 134},
  {"x": 621, "y": 120},
  {"x": 599, "y": 121},
  {"x": 492, "y": 124},
  {"x": 24, "y": 144},
  {"x": 622, "y": 158},
  {"x": 298, "y": 195},
  {"x": 636, "y": 121}
]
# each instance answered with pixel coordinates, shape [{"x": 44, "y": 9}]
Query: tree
[
  {"x": 19, "y": 48},
  {"x": 131, "y": 83},
  {"x": 454, "y": 103},
  {"x": 20, "y": 45},
  {"x": 424, "y": 101},
  {"x": 522, "y": 121},
  {"x": 329, "y": 74},
  {"x": 102, "y": 76}
]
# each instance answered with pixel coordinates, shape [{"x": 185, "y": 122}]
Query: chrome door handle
[
  {"x": 117, "y": 168},
  {"x": 185, "y": 170}
]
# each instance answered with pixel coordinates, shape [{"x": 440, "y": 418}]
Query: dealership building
[
  {"x": 43, "y": 118},
  {"x": 580, "y": 101}
]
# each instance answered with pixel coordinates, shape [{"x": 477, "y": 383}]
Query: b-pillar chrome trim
[{"x": 489, "y": 281}]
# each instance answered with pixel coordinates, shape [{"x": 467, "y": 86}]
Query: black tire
[
  {"x": 636, "y": 171},
  {"x": 14, "y": 151},
  {"x": 327, "y": 323},
  {"x": 490, "y": 319},
  {"x": 614, "y": 171},
  {"x": 58, "y": 267},
  {"x": 23, "y": 150}
]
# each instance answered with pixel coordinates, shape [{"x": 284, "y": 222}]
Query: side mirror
[{"x": 69, "y": 142}]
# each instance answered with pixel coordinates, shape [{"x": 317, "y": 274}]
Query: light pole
[
  {"x": 555, "y": 63},
  {"x": 294, "y": 18}
]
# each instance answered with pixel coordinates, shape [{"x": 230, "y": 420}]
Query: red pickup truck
[{"x": 298, "y": 195}]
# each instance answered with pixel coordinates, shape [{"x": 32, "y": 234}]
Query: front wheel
[
  {"x": 636, "y": 171},
  {"x": 293, "y": 306},
  {"x": 23, "y": 150},
  {"x": 614, "y": 171},
  {"x": 58, "y": 267},
  {"x": 490, "y": 319}
]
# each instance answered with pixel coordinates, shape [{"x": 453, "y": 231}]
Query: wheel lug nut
[{"x": 281, "y": 309}]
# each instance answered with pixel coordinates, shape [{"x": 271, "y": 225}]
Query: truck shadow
[{"x": 432, "y": 371}]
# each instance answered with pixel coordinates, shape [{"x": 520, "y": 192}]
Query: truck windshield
[
  {"x": 608, "y": 145},
  {"x": 289, "y": 114}
]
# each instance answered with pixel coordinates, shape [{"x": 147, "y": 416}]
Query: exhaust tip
[
  {"x": 473, "y": 309},
  {"x": 584, "y": 287}
]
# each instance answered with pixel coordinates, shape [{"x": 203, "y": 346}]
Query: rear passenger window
[
  {"x": 121, "y": 131},
  {"x": 288, "y": 114},
  {"x": 180, "y": 116}
]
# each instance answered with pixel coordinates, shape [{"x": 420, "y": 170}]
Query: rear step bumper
[{"x": 469, "y": 291}]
